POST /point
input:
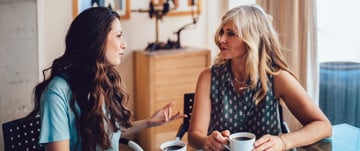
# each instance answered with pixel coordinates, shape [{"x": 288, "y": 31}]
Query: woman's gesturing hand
[{"x": 164, "y": 115}]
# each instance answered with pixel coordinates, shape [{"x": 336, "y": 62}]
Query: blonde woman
[{"x": 241, "y": 91}]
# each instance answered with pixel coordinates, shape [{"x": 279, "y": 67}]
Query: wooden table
[{"x": 345, "y": 137}]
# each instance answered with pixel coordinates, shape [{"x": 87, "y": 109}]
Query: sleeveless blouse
[{"x": 238, "y": 112}]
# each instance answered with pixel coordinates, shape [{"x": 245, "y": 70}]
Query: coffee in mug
[
  {"x": 241, "y": 138},
  {"x": 175, "y": 145}
]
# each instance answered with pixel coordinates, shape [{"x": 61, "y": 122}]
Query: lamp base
[{"x": 160, "y": 45}]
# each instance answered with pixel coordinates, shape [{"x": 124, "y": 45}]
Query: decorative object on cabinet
[
  {"x": 186, "y": 7},
  {"x": 181, "y": 7},
  {"x": 162, "y": 77},
  {"x": 120, "y": 6},
  {"x": 175, "y": 7}
]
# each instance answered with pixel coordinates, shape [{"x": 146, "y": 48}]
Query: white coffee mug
[
  {"x": 242, "y": 141},
  {"x": 175, "y": 145}
]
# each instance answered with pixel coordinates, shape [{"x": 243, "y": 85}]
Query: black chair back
[
  {"x": 22, "y": 134},
  {"x": 188, "y": 106},
  {"x": 284, "y": 125}
]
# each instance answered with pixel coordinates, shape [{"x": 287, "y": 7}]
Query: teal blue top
[
  {"x": 58, "y": 120},
  {"x": 237, "y": 112}
]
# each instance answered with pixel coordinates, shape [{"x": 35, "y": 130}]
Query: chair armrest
[
  {"x": 182, "y": 130},
  {"x": 133, "y": 145}
]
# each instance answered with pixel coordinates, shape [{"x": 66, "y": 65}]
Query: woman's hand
[
  {"x": 163, "y": 115},
  {"x": 216, "y": 141},
  {"x": 269, "y": 143}
]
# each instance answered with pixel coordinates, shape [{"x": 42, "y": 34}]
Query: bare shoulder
[
  {"x": 203, "y": 83},
  {"x": 205, "y": 74},
  {"x": 285, "y": 82},
  {"x": 283, "y": 76},
  {"x": 206, "y": 71}
]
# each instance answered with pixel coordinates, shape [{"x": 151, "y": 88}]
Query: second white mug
[{"x": 242, "y": 141}]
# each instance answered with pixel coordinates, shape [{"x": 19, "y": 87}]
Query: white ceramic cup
[
  {"x": 175, "y": 145},
  {"x": 242, "y": 141}
]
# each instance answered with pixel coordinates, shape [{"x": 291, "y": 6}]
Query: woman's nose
[
  {"x": 222, "y": 39},
  {"x": 123, "y": 45}
]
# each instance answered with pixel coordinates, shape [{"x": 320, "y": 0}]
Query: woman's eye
[
  {"x": 231, "y": 34},
  {"x": 221, "y": 32},
  {"x": 119, "y": 35}
]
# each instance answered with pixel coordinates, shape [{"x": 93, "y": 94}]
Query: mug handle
[{"x": 227, "y": 148}]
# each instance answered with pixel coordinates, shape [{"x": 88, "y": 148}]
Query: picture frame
[
  {"x": 183, "y": 7},
  {"x": 120, "y": 6}
]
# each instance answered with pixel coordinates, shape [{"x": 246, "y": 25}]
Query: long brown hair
[
  {"x": 92, "y": 82},
  {"x": 264, "y": 55}
]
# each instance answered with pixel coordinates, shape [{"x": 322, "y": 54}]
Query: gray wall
[{"x": 18, "y": 58}]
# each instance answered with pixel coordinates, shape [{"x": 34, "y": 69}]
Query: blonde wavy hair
[{"x": 264, "y": 56}]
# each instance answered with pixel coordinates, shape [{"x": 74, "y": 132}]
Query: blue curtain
[{"x": 340, "y": 92}]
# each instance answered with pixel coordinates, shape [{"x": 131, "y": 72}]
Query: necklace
[
  {"x": 240, "y": 86},
  {"x": 240, "y": 82}
]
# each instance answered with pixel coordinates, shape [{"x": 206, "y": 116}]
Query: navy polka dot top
[{"x": 237, "y": 112}]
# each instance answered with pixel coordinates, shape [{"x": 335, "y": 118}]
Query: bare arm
[
  {"x": 137, "y": 126},
  {"x": 197, "y": 133},
  {"x": 315, "y": 124},
  {"x": 63, "y": 145}
]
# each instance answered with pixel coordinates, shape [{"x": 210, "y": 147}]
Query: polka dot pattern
[
  {"x": 22, "y": 135},
  {"x": 237, "y": 112}
]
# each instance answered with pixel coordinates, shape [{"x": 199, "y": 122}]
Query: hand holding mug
[
  {"x": 216, "y": 141},
  {"x": 269, "y": 142}
]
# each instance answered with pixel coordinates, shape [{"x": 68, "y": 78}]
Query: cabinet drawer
[
  {"x": 177, "y": 76},
  {"x": 177, "y": 62},
  {"x": 171, "y": 92}
]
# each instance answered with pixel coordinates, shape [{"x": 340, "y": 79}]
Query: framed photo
[
  {"x": 183, "y": 7},
  {"x": 120, "y": 6}
]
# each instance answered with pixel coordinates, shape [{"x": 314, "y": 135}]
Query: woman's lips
[{"x": 223, "y": 49}]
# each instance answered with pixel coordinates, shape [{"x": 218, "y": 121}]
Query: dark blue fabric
[{"x": 340, "y": 92}]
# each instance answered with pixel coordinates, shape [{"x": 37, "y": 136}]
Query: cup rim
[
  {"x": 245, "y": 134},
  {"x": 172, "y": 143}
]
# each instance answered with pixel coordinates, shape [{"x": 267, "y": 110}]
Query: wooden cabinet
[{"x": 162, "y": 77}]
